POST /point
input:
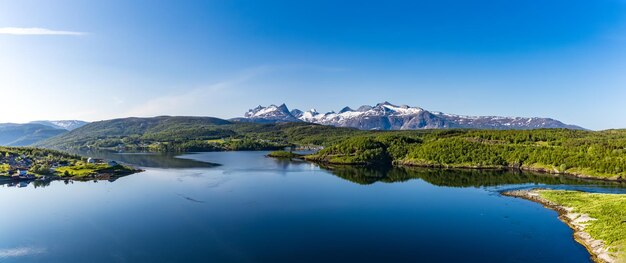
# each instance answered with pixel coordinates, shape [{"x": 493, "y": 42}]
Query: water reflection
[
  {"x": 145, "y": 159},
  {"x": 39, "y": 183},
  {"x": 457, "y": 177}
]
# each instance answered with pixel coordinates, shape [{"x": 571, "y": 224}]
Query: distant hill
[
  {"x": 108, "y": 133},
  {"x": 12, "y": 134},
  {"x": 167, "y": 134},
  {"x": 387, "y": 116},
  {"x": 63, "y": 124}
]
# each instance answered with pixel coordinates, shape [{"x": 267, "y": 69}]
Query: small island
[
  {"x": 598, "y": 220},
  {"x": 28, "y": 164},
  {"x": 285, "y": 155}
]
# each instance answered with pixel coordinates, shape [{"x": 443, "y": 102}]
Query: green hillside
[
  {"x": 175, "y": 134},
  {"x": 584, "y": 153},
  {"x": 26, "y": 134}
]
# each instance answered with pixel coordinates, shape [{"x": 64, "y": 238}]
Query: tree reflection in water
[{"x": 455, "y": 177}]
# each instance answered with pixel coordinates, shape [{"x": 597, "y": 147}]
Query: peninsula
[{"x": 24, "y": 164}]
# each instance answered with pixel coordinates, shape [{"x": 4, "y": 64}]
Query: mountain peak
[
  {"x": 386, "y": 103},
  {"x": 296, "y": 113},
  {"x": 271, "y": 113},
  {"x": 283, "y": 107},
  {"x": 364, "y": 108},
  {"x": 345, "y": 109}
]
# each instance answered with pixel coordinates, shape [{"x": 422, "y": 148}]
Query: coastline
[
  {"x": 495, "y": 168},
  {"x": 596, "y": 248},
  {"x": 98, "y": 177}
]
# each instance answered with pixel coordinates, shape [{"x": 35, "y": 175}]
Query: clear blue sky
[{"x": 96, "y": 60}]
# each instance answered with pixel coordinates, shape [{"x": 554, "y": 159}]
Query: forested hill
[
  {"x": 127, "y": 131},
  {"x": 582, "y": 153},
  {"x": 167, "y": 133}
]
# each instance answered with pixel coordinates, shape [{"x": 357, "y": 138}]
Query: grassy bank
[
  {"x": 608, "y": 210},
  {"x": 84, "y": 170}
]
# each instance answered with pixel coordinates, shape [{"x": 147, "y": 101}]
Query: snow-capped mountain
[
  {"x": 63, "y": 124},
  {"x": 387, "y": 116},
  {"x": 269, "y": 114}
]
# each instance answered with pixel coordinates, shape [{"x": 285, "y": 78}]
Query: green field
[{"x": 81, "y": 169}]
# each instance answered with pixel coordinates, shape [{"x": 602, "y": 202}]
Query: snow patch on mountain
[
  {"x": 63, "y": 124},
  {"x": 271, "y": 113}
]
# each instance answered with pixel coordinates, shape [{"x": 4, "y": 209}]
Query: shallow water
[{"x": 255, "y": 209}]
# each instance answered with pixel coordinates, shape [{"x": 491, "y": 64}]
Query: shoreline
[
  {"x": 596, "y": 248},
  {"x": 494, "y": 168},
  {"x": 99, "y": 177}
]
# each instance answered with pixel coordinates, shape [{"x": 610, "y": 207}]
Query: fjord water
[{"x": 255, "y": 209}]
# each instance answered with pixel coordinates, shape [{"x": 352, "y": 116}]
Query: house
[
  {"x": 22, "y": 174},
  {"x": 113, "y": 163},
  {"x": 94, "y": 160}
]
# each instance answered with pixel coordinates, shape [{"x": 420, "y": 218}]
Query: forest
[{"x": 585, "y": 153}]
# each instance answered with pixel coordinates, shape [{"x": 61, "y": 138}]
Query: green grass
[
  {"x": 608, "y": 209},
  {"x": 82, "y": 170}
]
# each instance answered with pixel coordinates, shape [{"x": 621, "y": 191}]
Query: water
[{"x": 255, "y": 209}]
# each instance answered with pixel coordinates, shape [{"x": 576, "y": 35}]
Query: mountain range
[
  {"x": 387, "y": 116},
  {"x": 24, "y": 134},
  {"x": 63, "y": 124},
  {"x": 382, "y": 116}
]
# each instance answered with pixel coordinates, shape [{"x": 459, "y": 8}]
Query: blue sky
[{"x": 96, "y": 60}]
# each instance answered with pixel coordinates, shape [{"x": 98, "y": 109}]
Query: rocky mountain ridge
[{"x": 387, "y": 116}]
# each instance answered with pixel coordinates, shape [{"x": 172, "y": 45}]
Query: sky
[{"x": 95, "y": 60}]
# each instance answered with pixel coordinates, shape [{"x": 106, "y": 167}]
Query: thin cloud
[
  {"x": 20, "y": 252},
  {"x": 190, "y": 101},
  {"x": 37, "y": 31}
]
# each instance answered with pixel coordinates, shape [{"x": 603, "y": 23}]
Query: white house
[{"x": 91, "y": 160}]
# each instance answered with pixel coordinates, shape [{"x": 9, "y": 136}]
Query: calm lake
[{"x": 244, "y": 207}]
